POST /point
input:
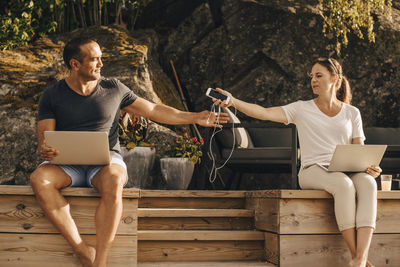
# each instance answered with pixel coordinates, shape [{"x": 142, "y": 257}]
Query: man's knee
[
  {"x": 110, "y": 182},
  {"x": 48, "y": 176},
  {"x": 38, "y": 179}
]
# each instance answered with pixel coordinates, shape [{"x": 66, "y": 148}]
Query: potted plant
[
  {"x": 137, "y": 151},
  {"x": 177, "y": 170}
]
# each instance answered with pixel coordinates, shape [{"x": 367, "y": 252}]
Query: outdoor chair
[
  {"x": 390, "y": 163},
  {"x": 265, "y": 147}
]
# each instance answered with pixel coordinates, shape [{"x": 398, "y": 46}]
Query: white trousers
[{"x": 355, "y": 195}]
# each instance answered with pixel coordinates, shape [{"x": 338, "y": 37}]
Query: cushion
[
  {"x": 381, "y": 135},
  {"x": 271, "y": 137},
  {"x": 242, "y": 137}
]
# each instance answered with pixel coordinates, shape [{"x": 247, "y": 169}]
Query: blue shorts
[{"x": 82, "y": 175}]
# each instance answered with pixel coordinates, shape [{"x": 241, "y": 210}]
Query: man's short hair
[{"x": 72, "y": 49}]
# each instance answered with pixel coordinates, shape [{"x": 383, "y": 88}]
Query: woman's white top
[{"x": 319, "y": 133}]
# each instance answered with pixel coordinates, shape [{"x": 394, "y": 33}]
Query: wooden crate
[
  {"x": 27, "y": 238},
  {"x": 300, "y": 228}
]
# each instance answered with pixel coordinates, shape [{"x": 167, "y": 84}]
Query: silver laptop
[
  {"x": 355, "y": 158},
  {"x": 79, "y": 148}
]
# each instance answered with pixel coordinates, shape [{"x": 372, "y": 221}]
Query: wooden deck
[{"x": 197, "y": 228}]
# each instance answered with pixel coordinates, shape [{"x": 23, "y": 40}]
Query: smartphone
[{"x": 214, "y": 94}]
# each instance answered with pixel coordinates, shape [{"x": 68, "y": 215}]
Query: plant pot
[
  {"x": 177, "y": 172},
  {"x": 139, "y": 161}
]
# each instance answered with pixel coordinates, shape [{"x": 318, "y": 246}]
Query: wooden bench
[
  {"x": 301, "y": 230},
  {"x": 28, "y": 239}
]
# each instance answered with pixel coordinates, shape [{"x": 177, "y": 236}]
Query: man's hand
[
  {"x": 374, "y": 171},
  {"x": 47, "y": 153},
  {"x": 212, "y": 119}
]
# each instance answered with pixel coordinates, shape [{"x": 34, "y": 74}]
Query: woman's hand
[
  {"x": 374, "y": 171},
  {"x": 223, "y": 103}
]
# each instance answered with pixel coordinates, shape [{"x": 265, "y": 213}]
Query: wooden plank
[
  {"x": 264, "y": 194},
  {"x": 266, "y": 214},
  {"x": 166, "y": 235},
  {"x": 389, "y": 194},
  {"x": 207, "y": 264},
  {"x": 195, "y": 213},
  {"x": 316, "y": 216},
  {"x": 271, "y": 247},
  {"x": 70, "y": 191},
  {"x": 22, "y": 214},
  {"x": 192, "y": 193},
  {"x": 331, "y": 250},
  {"x": 388, "y": 216},
  {"x": 197, "y": 223},
  {"x": 307, "y": 216},
  {"x": 164, "y": 251},
  {"x": 49, "y": 250},
  {"x": 192, "y": 203},
  {"x": 320, "y": 194}
]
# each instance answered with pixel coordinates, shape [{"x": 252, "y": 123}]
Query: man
[{"x": 85, "y": 101}]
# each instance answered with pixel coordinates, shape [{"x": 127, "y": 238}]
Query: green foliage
[
  {"x": 185, "y": 147},
  {"x": 344, "y": 16},
  {"x": 23, "y": 20},
  {"x": 20, "y": 22},
  {"x": 133, "y": 132}
]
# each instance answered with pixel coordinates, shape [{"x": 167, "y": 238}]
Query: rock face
[
  {"x": 27, "y": 71},
  {"x": 261, "y": 51}
]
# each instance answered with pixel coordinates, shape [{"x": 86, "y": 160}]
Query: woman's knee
[
  {"x": 364, "y": 182},
  {"x": 344, "y": 187}
]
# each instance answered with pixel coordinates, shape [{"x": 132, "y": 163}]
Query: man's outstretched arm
[{"x": 169, "y": 115}]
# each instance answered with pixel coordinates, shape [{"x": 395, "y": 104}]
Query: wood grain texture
[
  {"x": 192, "y": 193},
  {"x": 186, "y": 235},
  {"x": 49, "y": 250},
  {"x": 307, "y": 216},
  {"x": 315, "y": 216},
  {"x": 164, "y": 251},
  {"x": 70, "y": 191},
  {"x": 331, "y": 250},
  {"x": 22, "y": 213},
  {"x": 197, "y": 223},
  {"x": 311, "y": 194},
  {"x": 192, "y": 203},
  {"x": 207, "y": 264},
  {"x": 271, "y": 247},
  {"x": 267, "y": 214},
  {"x": 144, "y": 212}
]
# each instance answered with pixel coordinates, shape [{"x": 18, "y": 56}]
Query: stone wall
[{"x": 261, "y": 51}]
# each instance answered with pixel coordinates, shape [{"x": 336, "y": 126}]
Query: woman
[{"x": 323, "y": 123}]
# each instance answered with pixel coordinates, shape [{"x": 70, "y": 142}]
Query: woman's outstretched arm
[{"x": 275, "y": 114}]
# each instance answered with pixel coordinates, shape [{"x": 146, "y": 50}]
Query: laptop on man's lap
[{"x": 79, "y": 148}]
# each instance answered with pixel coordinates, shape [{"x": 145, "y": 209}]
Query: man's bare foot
[
  {"x": 369, "y": 264},
  {"x": 87, "y": 257},
  {"x": 357, "y": 262}
]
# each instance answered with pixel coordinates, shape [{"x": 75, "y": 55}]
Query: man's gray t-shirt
[{"x": 99, "y": 111}]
